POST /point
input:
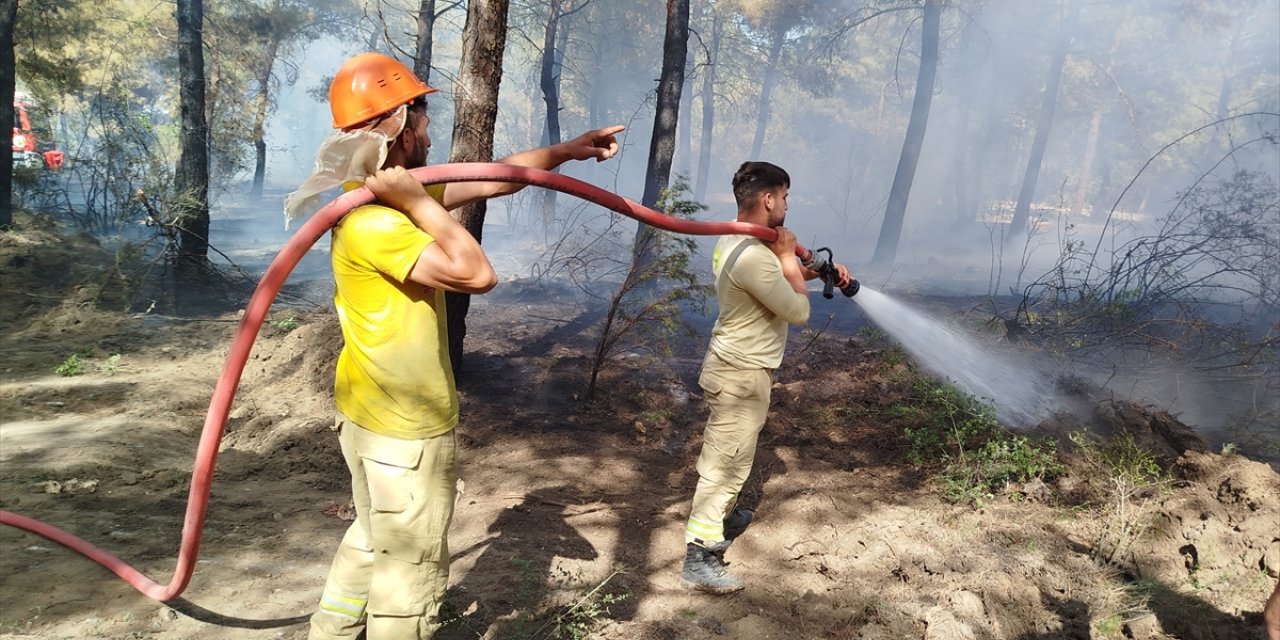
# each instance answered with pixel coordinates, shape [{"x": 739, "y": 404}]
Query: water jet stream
[{"x": 1023, "y": 395}]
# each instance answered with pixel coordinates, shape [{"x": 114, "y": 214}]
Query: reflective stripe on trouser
[
  {"x": 391, "y": 570},
  {"x": 739, "y": 402}
]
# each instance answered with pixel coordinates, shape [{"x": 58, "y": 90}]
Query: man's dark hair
[
  {"x": 755, "y": 178},
  {"x": 417, "y": 108}
]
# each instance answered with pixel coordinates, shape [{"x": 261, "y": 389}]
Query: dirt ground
[{"x": 564, "y": 500}]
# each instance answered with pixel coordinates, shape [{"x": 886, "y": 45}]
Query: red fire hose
[{"x": 274, "y": 277}]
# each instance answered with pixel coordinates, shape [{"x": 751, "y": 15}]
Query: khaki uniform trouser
[
  {"x": 391, "y": 570},
  {"x": 739, "y": 402}
]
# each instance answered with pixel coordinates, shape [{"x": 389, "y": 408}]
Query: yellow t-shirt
[{"x": 393, "y": 375}]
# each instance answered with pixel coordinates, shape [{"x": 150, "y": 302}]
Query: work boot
[
  {"x": 737, "y": 522},
  {"x": 704, "y": 571}
]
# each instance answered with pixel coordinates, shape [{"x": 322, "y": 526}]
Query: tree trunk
[
  {"x": 708, "y": 111},
  {"x": 475, "y": 112},
  {"x": 1100, "y": 203},
  {"x": 1044, "y": 124},
  {"x": 684, "y": 148},
  {"x": 549, "y": 82},
  {"x": 969, "y": 71},
  {"x": 8, "y": 77},
  {"x": 423, "y": 44},
  {"x": 260, "y": 117},
  {"x": 675, "y": 52},
  {"x": 1086, "y": 167},
  {"x": 191, "y": 179},
  {"x": 896, "y": 210},
  {"x": 766, "y": 91},
  {"x": 1095, "y": 132}
]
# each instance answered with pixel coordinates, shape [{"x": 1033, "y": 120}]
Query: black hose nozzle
[{"x": 827, "y": 272}]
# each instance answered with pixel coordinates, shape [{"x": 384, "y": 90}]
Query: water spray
[{"x": 1021, "y": 392}]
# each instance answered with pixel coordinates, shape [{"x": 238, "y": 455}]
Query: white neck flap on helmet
[{"x": 345, "y": 156}]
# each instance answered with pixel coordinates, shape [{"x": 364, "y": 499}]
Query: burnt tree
[
  {"x": 1044, "y": 124},
  {"x": 484, "y": 40},
  {"x": 708, "y": 110},
  {"x": 8, "y": 75},
  {"x": 662, "y": 145},
  {"x": 896, "y": 210},
  {"x": 191, "y": 180}
]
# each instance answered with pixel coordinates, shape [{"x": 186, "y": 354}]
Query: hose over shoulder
[{"x": 256, "y": 312}]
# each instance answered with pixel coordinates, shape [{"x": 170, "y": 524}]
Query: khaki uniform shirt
[{"x": 756, "y": 305}]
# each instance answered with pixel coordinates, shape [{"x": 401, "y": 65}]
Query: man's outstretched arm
[{"x": 600, "y": 144}]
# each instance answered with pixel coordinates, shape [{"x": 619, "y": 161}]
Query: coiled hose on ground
[{"x": 256, "y": 312}]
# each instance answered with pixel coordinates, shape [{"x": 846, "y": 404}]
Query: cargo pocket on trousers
[
  {"x": 409, "y": 575},
  {"x": 388, "y": 465},
  {"x": 717, "y": 384}
]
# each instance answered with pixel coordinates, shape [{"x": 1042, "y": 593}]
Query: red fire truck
[{"x": 33, "y": 145}]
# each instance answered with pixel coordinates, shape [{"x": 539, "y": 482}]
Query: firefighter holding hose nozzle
[
  {"x": 760, "y": 289},
  {"x": 394, "y": 389}
]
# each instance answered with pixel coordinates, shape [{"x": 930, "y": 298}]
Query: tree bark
[
  {"x": 766, "y": 90},
  {"x": 969, "y": 73},
  {"x": 423, "y": 44},
  {"x": 8, "y": 77},
  {"x": 1095, "y": 130},
  {"x": 1044, "y": 124},
  {"x": 549, "y": 81},
  {"x": 708, "y": 110},
  {"x": 260, "y": 116},
  {"x": 675, "y": 52},
  {"x": 475, "y": 113},
  {"x": 192, "y": 176},
  {"x": 1086, "y": 167},
  {"x": 684, "y": 129},
  {"x": 896, "y": 210}
]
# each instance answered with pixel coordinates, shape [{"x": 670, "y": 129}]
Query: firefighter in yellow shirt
[
  {"x": 760, "y": 289},
  {"x": 394, "y": 390}
]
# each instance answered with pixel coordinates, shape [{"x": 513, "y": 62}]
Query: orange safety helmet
[{"x": 369, "y": 85}]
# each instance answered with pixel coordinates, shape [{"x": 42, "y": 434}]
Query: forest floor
[{"x": 570, "y": 524}]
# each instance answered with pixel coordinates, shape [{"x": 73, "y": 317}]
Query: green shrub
[
  {"x": 284, "y": 324},
  {"x": 112, "y": 365},
  {"x": 72, "y": 366},
  {"x": 1006, "y": 459},
  {"x": 960, "y": 434}
]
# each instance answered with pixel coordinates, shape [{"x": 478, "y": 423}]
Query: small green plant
[
  {"x": 284, "y": 324},
  {"x": 1001, "y": 461},
  {"x": 659, "y": 287},
  {"x": 1111, "y": 626},
  {"x": 960, "y": 433},
  {"x": 556, "y": 607},
  {"x": 111, "y": 365},
  {"x": 1132, "y": 474},
  {"x": 948, "y": 423},
  {"x": 576, "y": 621},
  {"x": 1125, "y": 463},
  {"x": 72, "y": 366}
]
